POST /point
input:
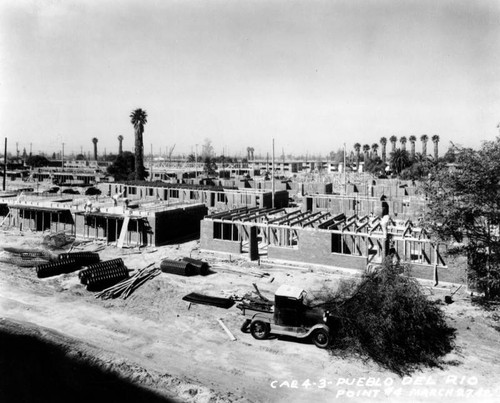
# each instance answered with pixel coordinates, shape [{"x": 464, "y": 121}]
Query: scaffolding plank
[{"x": 123, "y": 232}]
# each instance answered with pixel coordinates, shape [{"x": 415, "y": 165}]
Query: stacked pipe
[
  {"x": 200, "y": 266},
  {"x": 84, "y": 258},
  {"x": 181, "y": 268},
  {"x": 55, "y": 268},
  {"x": 99, "y": 276}
]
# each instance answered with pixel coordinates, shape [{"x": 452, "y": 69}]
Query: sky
[{"x": 313, "y": 75}]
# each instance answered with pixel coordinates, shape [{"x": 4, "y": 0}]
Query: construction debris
[
  {"x": 231, "y": 336},
  {"x": 57, "y": 240},
  {"x": 185, "y": 267},
  {"x": 196, "y": 298},
  {"x": 126, "y": 287},
  {"x": 181, "y": 268},
  {"x": 26, "y": 257},
  {"x": 101, "y": 275},
  {"x": 259, "y": 294},
  {"x": 56, "y": 268},
  {"x": 201, "y": 266},
  {"x": 83, "y": 258}
]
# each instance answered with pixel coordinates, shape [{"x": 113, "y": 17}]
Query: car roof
[{"x": 289, "y": 291}]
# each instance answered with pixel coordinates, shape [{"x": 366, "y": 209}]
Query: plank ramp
[{"x": 123, "y": 232}]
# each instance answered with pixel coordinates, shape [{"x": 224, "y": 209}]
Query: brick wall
[
  {"x": 315, "y": 247},
  {"x": 207, "y": 241}
]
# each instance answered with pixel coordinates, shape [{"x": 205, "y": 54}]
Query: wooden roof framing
[
  {"x": 286, "y": 217},
  {"x": 340, "y": 224},
  {"x": 320, "y": 217}
]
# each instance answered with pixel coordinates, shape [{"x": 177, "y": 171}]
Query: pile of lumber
[{"x": 126, "y": 287}]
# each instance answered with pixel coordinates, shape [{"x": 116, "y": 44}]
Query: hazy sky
[{"x": 311, "y": 74}]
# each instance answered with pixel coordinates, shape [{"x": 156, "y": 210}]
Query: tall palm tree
[
  {"x": 393, "y": 140},
  {"x": 412, "y": 139},
  {"x": 94, "y": 140},
  {"x": 383, "y": 141},
  {"x": 435, "y": 140},
  {"x": 120, "y": 141},
  {"x": 357, "y": 148},
  {"x": 374, "y": 150},
  {"x": 366, "y": 150},
  {"x": 402, "y": 140},
  {"x": 424, "y": 139},
  {"x": 399, "y": 160},
  {"x": 139, "y": 118}
]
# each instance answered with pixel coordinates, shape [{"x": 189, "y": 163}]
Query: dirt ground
[{"x": 156, "y": 340}]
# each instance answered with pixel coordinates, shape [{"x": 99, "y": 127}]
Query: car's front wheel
[
  {"x": 321, "y": 338},
  {"x": 259, "y": 329}
]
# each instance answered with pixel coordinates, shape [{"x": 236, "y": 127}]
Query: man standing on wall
[{"x": 384, "y": 221}]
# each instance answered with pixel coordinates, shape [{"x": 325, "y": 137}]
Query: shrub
[{"x": 387, "y": 318}]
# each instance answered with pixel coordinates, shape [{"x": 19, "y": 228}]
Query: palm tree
[
  {"x": 393, "y": 140},
  {"x": 357, "y": 148},
  {"x": 412, "y": 139},
  {"x": 120, "y": 149},
  {"x": 424, "y": 139},
  {"x": 94, "y": 140},
  {"x": 139, "y": 118},
  {"x": 374, "y": 150},
  {"x": 399, "y": 160},
  {"x": 366, "y": 150},
  {"x": 402, "y": 140},
  {"x": 383, "y": 141},
  {"x": 435, "y": 140}
]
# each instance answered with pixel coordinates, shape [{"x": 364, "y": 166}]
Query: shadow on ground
[{"x": 35, "y": 369}]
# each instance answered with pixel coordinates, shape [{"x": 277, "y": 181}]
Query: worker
[
  {"x": 116, "y": 197},
  {"x": 125, "y": 203},
  {"x": 384, "y": 221},
  {"x": 88, "y": 206}
]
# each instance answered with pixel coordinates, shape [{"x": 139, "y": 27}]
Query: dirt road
[{"x": 156, "y": 341}]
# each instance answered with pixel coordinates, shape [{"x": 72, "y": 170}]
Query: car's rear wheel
[
  {"x": 259, "y": 329},
  {"x": 321, "y": 338}
]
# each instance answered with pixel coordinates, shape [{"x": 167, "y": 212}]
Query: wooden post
[
  {"x": 436, "y": 278},
  {"x": 5, "y": 164}
]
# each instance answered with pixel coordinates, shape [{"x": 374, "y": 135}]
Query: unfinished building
[
  {"x": 215, "y": 197},
  {"x": 410, "y": 207},
  {"x": 323, "y": 238},
  {"x": 150, "y": 224}
]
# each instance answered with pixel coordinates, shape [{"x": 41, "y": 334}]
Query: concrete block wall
[
  {"x": 317, "y": 188},
  {"x": 315, "y": 247},
  {"x": 207, "y": 241},
  {"x": 444, "y": 274},
  {"x": 172, "y": 224}
]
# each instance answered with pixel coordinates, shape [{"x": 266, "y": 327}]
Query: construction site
[
  {"x": 253, "y": 201},
  {"x": 144, "y": 274}
]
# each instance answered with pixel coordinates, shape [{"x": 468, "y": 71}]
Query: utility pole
[
  {"x": 151, "y": 170},
  {"x": 5, "y": 164},
  {"x": 62, "y": 159},
  {"x": 273, "y": 174},
  {"x": 30, "y": 149},
  {"x": 196, "y": 160},
  {"x": 345, "y": 175}
]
